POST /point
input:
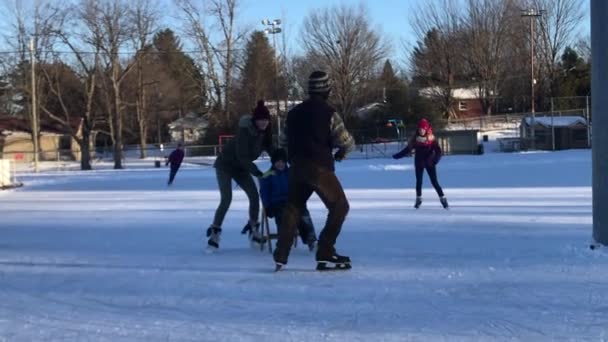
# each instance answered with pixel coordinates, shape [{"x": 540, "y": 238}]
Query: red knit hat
[
  {"x": 424, "y": 124},
  {"x": 261, "y": 112}
]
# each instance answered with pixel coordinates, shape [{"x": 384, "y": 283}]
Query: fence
[
  {"x": 506, "y": 121},
  {"x": 380, "y": 142}
]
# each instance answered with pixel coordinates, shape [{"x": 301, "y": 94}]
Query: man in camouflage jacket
[{"x": 312, "y": 133}]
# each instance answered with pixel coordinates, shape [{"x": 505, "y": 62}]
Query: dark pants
[
  {"x": 244, "y": 179},
  {"x": 432, "y": 171},
  {"x": 172, "y": 173},
  {"x": 306, "y": 228},
  {"x": 303, "y": 181}
]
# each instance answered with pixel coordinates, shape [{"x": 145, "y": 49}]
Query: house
[
  {"x": 189, "y": 129},
  {"x": 559, "y": 132},
  {"x": 368, "y": 111},
  {"x": 284, "y": 107},
  {"x": 466, "y": 104},
  {"x": 55, "y": 144}
]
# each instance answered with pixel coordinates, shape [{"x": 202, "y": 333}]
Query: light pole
[
  {"x": 273, "y": 29},
  {"x": 532, "y": 14}
]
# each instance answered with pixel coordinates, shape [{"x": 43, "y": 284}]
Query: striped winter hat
[{"x": 318, "y": 83}]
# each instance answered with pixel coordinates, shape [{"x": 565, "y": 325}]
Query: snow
[
  {"x": 557, "y": 121},
  {"x": 117, "y": 256},
  {"x": 472, "y": 93}
]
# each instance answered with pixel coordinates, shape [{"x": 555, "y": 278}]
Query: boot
[
  {"x": 334, "y": 261},
  {"x": 255, "y": 235},
  {"x": 444, "y": 202},
  {"x": 418, "y": 202},
  {"x": 279, "y": 261},
  {"x": 214, "y": 233}
]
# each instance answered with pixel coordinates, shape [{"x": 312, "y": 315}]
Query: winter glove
[
  {"x": 340, "y": 155},
  {"x": 268, "y": 173},
  {"x": 258, "y": 174}
]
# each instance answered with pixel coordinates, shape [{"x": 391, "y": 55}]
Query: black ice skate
[
  {"x": 279, "y": 262},
  {"x": 335, "y": 262},
  {"x": 444, "y": 202},
  {"x": 418, "y": 202},
  {"x": 255, "y": 235},
  {"x": 213, "y": 233}
]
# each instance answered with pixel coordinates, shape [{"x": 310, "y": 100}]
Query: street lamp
[
  {"x": 273, "y": 29},
  {"x": 532, "y": 14}
]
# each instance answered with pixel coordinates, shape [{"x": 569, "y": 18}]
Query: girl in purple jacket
[{"x": 428, "y": 154}]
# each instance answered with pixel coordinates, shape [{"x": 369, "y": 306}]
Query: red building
[{"x": 467, "y": 102}]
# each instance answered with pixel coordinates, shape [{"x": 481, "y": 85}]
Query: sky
[{"x": 389, "y": 16}]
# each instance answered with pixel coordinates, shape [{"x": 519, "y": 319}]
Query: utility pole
[
  {"x": 599, "y": 105},
  {"x": 34, "y": 102},
  {"x": 532, "y": 14}
]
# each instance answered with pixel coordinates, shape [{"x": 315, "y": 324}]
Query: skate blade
[
  {"x": 328, "y": 266},
  {"x": 278, "y": 267}
]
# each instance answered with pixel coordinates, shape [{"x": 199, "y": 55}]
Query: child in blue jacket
[{"x": 273, "y": 191}]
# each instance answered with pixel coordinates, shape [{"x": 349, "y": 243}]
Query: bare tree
[
  {"x": 31, "y": 23},
  {"x": 84, "y": 42},
  {"x": 341, "y": 40},
  {"x": 111, "y": 18},
  {"x": 583, "y": 47},
  {"x": 489, "y": 28},
  {"x": 145, "y": 17},
  {"x": 557, "y": 29},
  {"x": 218, "y": 58},
  {"x": 225, "y": 12},
  {"x": 438, "y": 58},
  {"x": 196, "y": 28}
]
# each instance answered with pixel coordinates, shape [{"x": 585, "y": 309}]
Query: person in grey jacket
[{"x": 236, "y": 162}]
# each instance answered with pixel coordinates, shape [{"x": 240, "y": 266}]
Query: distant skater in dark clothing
[{"x": 175, "y": 159}]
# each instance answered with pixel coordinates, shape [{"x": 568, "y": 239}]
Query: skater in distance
[
  {"x": 175, "y": 159},
  {"x": 427, "y": 156}
]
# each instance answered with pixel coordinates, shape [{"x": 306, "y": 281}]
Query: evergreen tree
[
  {"x": 259, "y": 74},
  {"x": 181, "y": 81}
]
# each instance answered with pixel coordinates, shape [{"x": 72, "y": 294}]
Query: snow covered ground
[{"x": 117, "y": 256}]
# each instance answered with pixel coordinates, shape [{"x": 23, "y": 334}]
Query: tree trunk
[
  {"x": 143, "y": 137},
  {"x": 85, "y": 149},
  {"x": 118, "y": 153}
]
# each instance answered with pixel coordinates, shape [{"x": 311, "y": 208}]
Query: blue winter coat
[{"x": 273, "y": 187}]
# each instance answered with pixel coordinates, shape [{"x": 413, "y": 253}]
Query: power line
[{"x": 12, "y": 52}]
